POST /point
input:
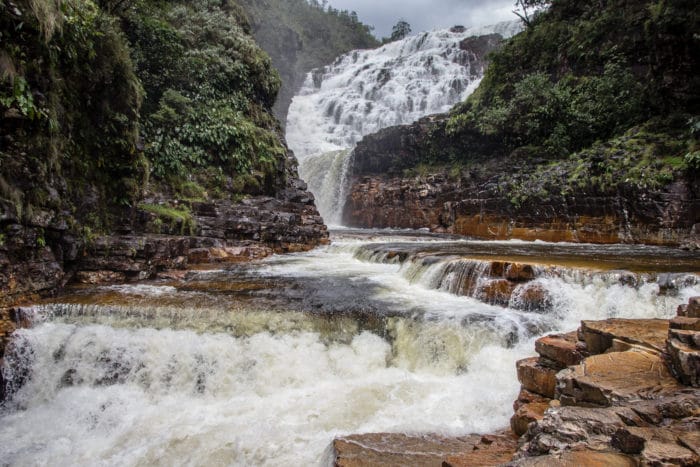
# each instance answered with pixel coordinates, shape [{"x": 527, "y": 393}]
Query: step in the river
[{"x": 621, "y": 334}]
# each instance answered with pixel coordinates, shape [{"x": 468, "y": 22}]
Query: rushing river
[{"x": 264, "y": 363}]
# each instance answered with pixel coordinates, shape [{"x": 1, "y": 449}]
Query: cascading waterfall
[{"x": 365, "y": 91}]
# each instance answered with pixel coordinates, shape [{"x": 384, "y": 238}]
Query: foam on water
[{"x": 165, "y": 385}]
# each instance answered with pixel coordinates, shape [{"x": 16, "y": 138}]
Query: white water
[
  {"x": 230, "y": 386},
  {"x": 365, "y": 91}
]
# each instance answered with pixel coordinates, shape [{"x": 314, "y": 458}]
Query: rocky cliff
[
  {"x": 517, "y": 195},
  {"x": 133, "y": 141}
]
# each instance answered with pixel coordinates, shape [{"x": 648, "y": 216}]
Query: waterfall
[{"x": 365, "y": 91}]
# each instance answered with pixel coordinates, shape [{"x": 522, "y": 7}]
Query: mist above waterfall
[{"x": 365, "y": 91}]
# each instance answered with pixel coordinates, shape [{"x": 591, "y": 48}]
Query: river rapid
[{"x": 264, "y": 363}]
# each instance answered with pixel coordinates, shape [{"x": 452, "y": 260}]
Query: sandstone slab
[
  {"x": 528, "y": 407},
  {"x": 616, "y": 378},
  {"x": 536, "y": 377},
  {"x": 685, "y": 361},
  {"x": 584, "y": 458},
  {"x": 560, "y": 348},
  {"x": 396, "y": 449},
  {"x": 685, "y": 323},
  {"x": 600, "y": 336}
]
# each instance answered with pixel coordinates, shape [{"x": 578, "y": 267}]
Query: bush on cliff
[
  {"x": 98, "y": 98},
  {"x": 587, "y": 71}
]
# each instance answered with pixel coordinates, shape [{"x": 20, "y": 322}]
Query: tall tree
[{"x": 400, "y": 30}]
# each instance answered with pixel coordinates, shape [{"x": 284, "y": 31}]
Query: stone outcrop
[
  {"x": 611, "y": 394},
  {"x": 39, "y": 255},
  {"x": 395, "y": 449},
  {"x": 388, "y": 187},
  {"x": 621, "y": 395}
]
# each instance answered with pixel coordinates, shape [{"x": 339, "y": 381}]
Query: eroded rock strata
[
  {"x": 614, "y": 393},
  {"x": 496, "y": 195}
]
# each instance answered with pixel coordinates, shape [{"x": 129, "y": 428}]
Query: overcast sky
[{"x": 425, "y": 15}]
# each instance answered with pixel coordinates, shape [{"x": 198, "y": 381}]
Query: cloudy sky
[{"x": 427, "y": 14}]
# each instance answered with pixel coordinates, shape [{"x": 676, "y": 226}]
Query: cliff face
[
  {"x": 138, "y": 137},
  {"x": 510, "y": 196}
]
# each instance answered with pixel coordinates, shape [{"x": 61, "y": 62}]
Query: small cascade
[
  {"x": 570, "y": 292},
  {"x": 365, "y": 91},
  {"x": 326, "y": 174}
]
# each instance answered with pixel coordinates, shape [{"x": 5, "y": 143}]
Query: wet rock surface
[
  {"x": 611, "y": 394},
  {"x": 387, "y": 189},
  {"x": 392, "y": 449}
]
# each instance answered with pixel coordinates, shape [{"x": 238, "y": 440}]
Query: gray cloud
[{"x": 425, "y": 15}]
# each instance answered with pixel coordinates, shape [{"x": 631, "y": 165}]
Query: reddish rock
[
  {"x": 616, "y": 378},
  {"x": 685, "y": 360},
  {"x": 691, "y": 310},
  {"x": 537, "y": 378},
  {"x": 100, "y": 277},
  {"x": 532, "y": 297},
  {"x": 490, "y": 450},
  {"x": 560, "y": 348},
  {"x": 520, "y": 272},
  {"x": 582, "y": 458},
  {"x": 680, "y": 322},
  {"x": 496, "y": 292},
  {"x": 600, "y": 336},
  {"x": 396, "y": 449},
  {"x": 528, "y": 407}
]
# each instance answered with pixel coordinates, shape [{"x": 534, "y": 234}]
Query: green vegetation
[
  {"x": 102, "y": 101},
  {"x": 602, "y": 94},
  {"x": 178, "y": 219}
]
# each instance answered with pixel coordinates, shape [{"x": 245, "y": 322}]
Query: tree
[
  {"x": 522, "y": 6},
  {"x": 400, "y": 30}
]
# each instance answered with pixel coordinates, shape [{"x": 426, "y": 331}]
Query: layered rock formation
[
  {"x": 491, "y": 198},
  {"x": 610, "y": 394}
]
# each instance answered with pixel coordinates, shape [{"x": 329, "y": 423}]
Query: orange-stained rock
[
  {"x": 560, "y": 348},
  {"x": 99, "y": 277},
  {"x": 616, "y": 378},
  {"x": 496, "y": 292},
  {"x": 396, "y": 449},
  {"x": 691, "y": 310},
  {"x": 520, "y": 272},
  {"x": 527, "y": 413},
  {"x": 536, "y": 378},
  {"x": 585, "y": 458},
  {"x": 684, "y": 358},
  {"x": 680, "y": 322},
  {"x": 658, "y": 445},
  {"x": 532, "y": 297},
  {"x": 490, "y": 450},
  {"x": 599, "y": 336}
]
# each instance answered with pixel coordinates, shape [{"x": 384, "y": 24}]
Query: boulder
[
  {"x": 616, "y": 378},
  {"x": 657, "y": 445},
  {"x": 600, "y": 336},
  {"x": 691, "y": 310},
  {"x": 536, "y": 377},
  {"x": 684, "y": 359},
  {"x": 496, "y": 291},
  {"x": 528, "y": 407},
  {"x": 520, "y": 272},
  {"x": 560, "y": 348}
]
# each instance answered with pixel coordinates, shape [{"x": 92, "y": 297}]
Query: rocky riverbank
[
  {"x": 617, "y": 392},
  {"x": 512, "y": 196}
]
